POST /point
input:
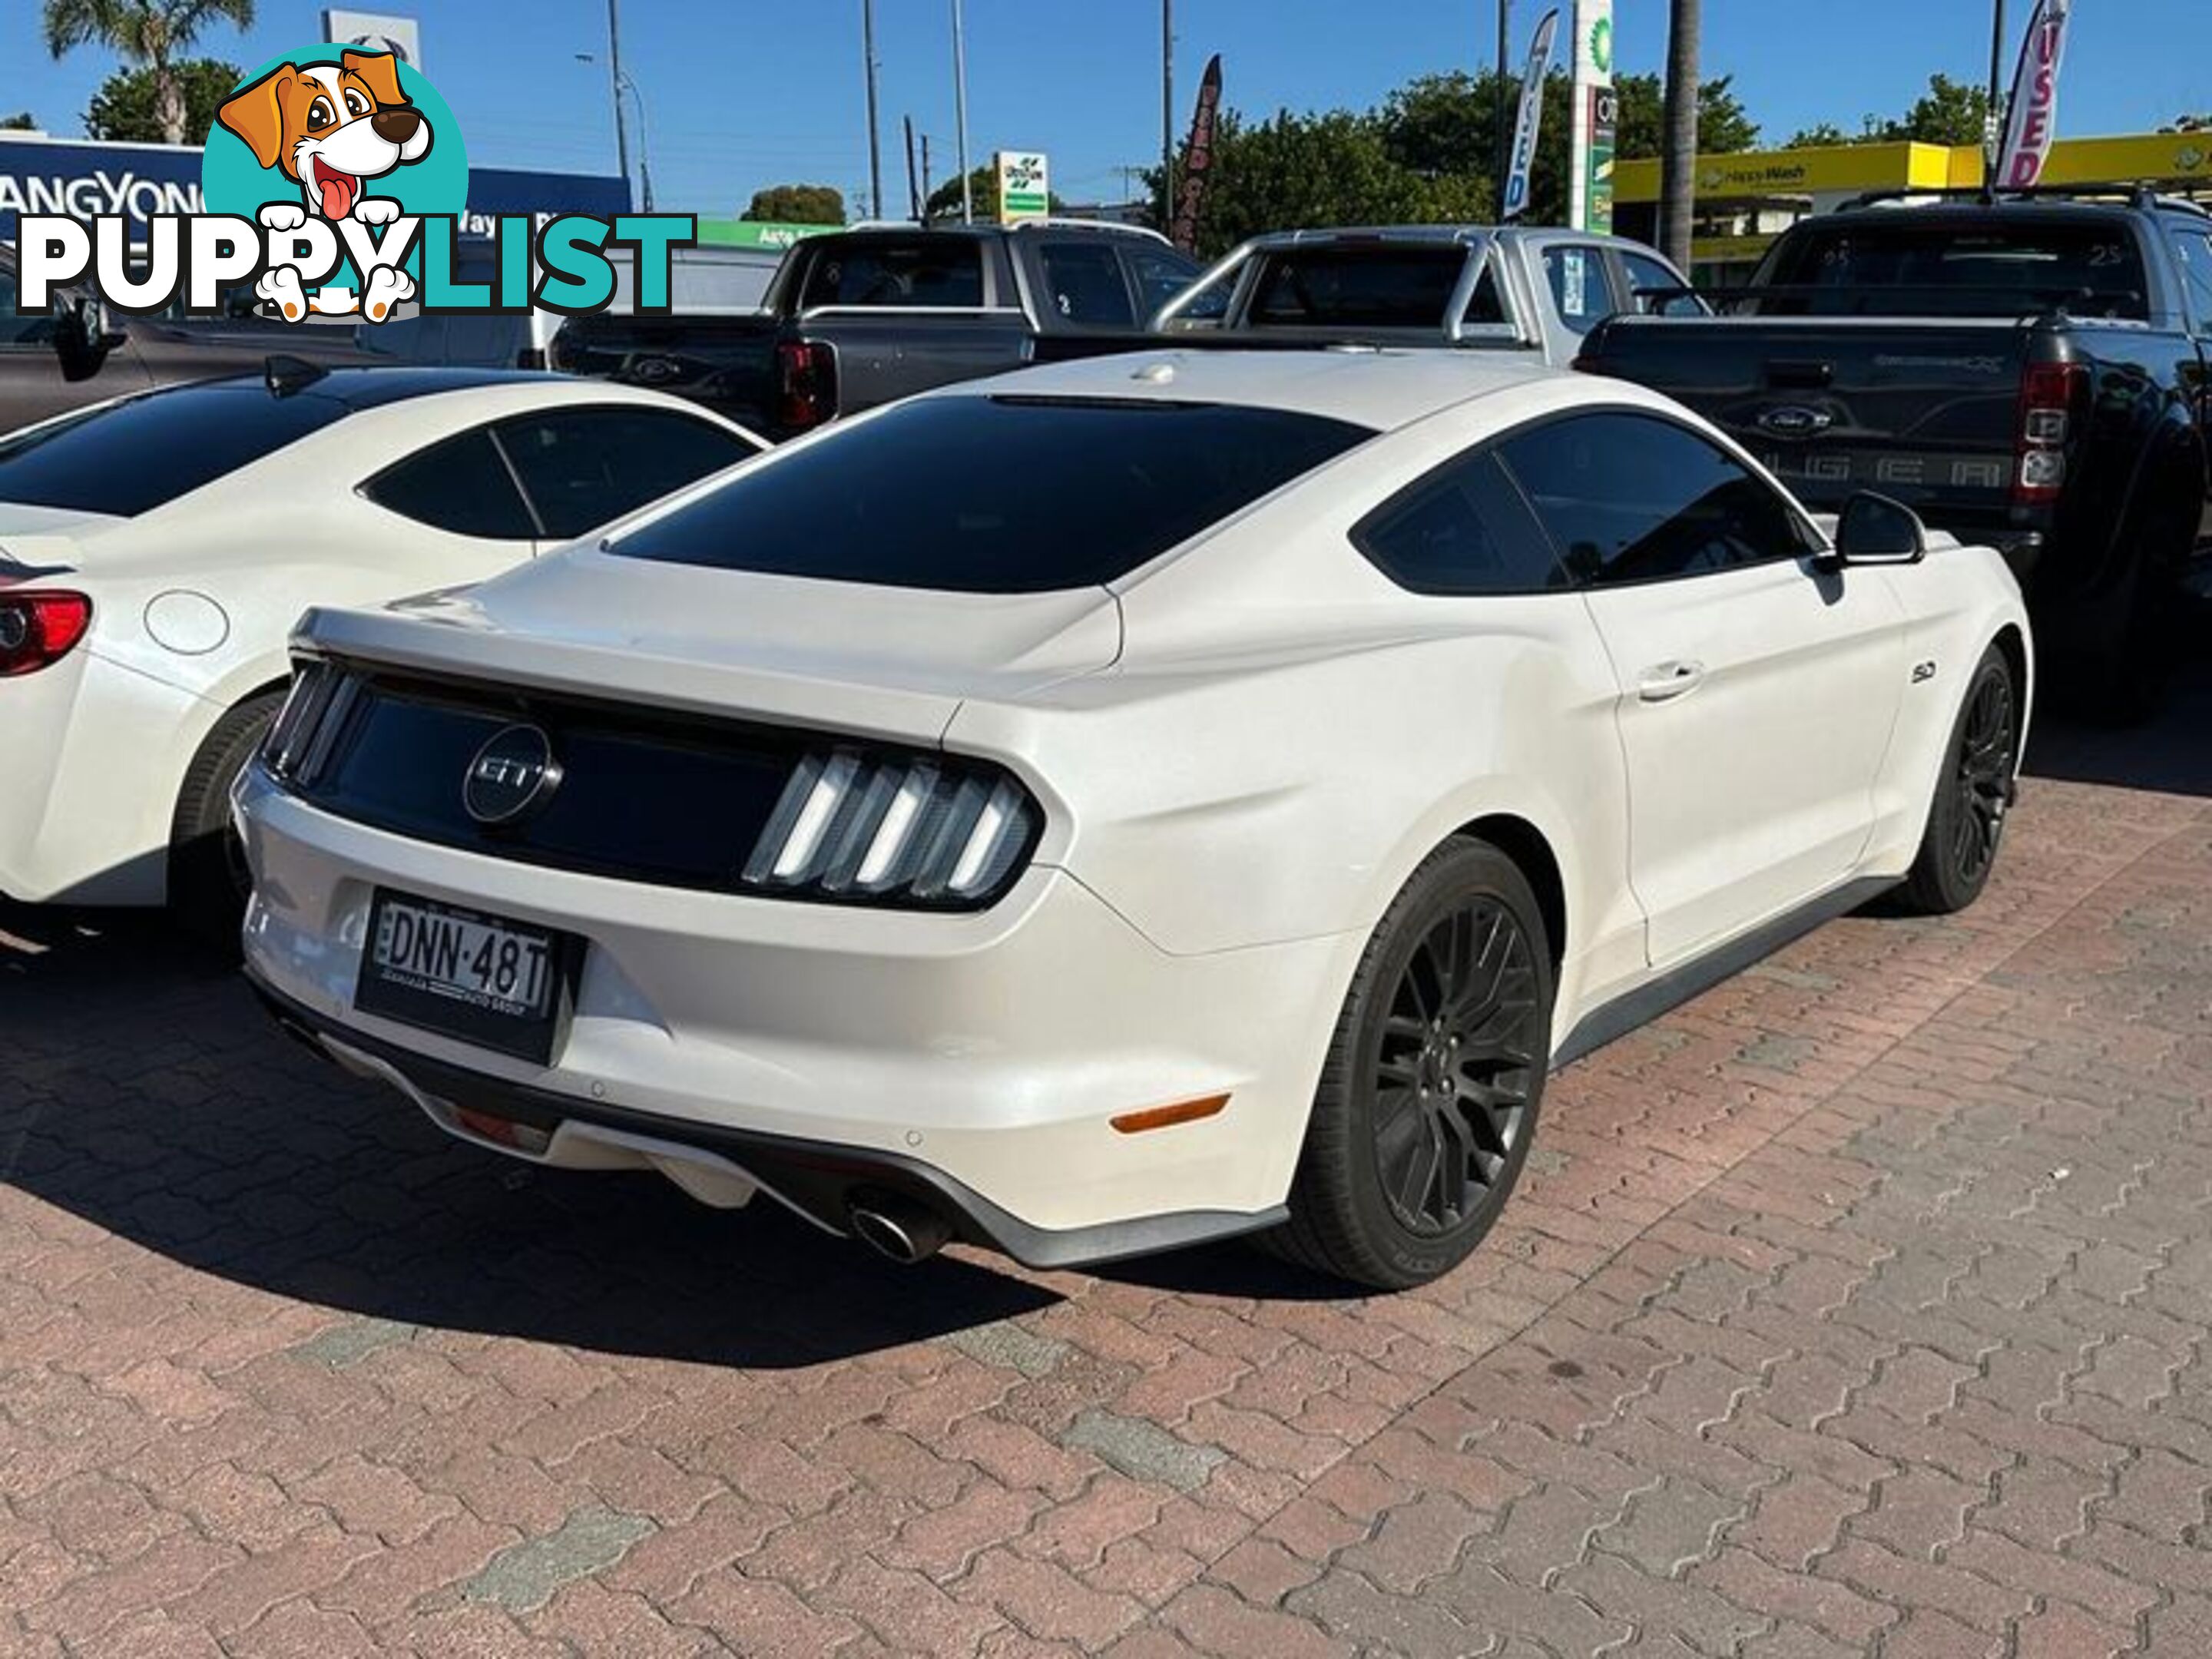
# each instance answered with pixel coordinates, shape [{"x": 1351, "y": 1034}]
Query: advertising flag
[
  {"x": 1525, "y": 129},
  {"x": 1197, "y": 160},
  {"x": 2034, "y": 121}
]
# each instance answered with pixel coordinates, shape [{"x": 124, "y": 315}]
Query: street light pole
[
  {"x": 626, "y": 83},
  {"x": 1167, "y": 113},
  {"x": 614, "y": 88},
  {"x": 875, "y": 147},
  {"x": 960, "y": 109},
  {"x": 1503, "y": 101}
]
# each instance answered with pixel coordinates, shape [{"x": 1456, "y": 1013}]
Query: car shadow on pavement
[
  {"x": 142, "y": 1090},
  {"x": 2171, "y": 754}
]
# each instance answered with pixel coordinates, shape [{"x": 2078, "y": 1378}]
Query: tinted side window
[
  {"x": 1464, "y": 529},
  {"x": 1632, "y": 498},
  {"x": 1083, "y": 284},
  {"x": 1160, "y": 275},
  {"x": 1580, "y": 287},
  {"x": 583, "y": 467},
  {"x": 1645, "y": 272},
  {"x": 459, "y": 485}
]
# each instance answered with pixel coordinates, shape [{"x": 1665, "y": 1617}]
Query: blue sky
[{"x": 743, "y": 92}]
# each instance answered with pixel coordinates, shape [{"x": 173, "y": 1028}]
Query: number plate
[{"x": 500, "y": 985}]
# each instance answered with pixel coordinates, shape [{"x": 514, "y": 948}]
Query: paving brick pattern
[{"x": 1860, "y": 1307}]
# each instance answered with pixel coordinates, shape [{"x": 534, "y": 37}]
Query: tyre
[
  {"x": 208, "y": 878},
  {"x": 1430, "y": 1095},
  {"x": 1973, "y": 794}
]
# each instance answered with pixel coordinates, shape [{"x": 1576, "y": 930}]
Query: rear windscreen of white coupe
[{"x": 1003, "y": 495}]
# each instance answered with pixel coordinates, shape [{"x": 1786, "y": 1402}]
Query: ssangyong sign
[{"x": 2034, "y": 123}]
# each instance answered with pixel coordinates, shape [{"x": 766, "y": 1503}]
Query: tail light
[
  {"x": 2051, "y": 396},
  {"x": 37, "y": 630},
  {"x": 921, "y": 832},
  {"x": 806, "y": 384},
  {"x": 308, "y": 723}
]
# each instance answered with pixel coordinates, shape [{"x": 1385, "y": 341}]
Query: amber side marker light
[{"x": 1166, "y": 1117}]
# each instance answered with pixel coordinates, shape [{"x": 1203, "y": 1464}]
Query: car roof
[
  {"x": 370, "y": 387},
  {"x": 1377, "y": 387}
]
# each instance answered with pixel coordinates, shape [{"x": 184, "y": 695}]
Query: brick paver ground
[{"x": 1860, "y": 1307}]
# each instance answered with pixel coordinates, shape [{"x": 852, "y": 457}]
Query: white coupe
[
  {"x": 1124, "y": 804},
  {"x": 155, "y": 552}
]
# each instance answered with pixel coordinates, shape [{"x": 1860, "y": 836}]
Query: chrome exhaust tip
[{"x": 894, "y": 1226}]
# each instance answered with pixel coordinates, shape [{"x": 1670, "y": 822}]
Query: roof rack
[{"x": 2134, "y": 193}]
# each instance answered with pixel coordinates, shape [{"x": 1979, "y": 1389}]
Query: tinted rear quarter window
[
  {"x": 586, "y": 467},
  {"x": 1375, "y": 288},
  {"x": 936, "y": 270},
  {"x": 134, "y": 457},
  {"x": 995, "y": 494},
  {"x": 459, "y": 485},
  {"x": 1464, "y": 530}
]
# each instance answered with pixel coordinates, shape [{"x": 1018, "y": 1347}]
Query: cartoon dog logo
[{"x": 330, "y": 128}]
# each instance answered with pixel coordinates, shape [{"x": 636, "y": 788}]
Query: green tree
[
  {"x": 1821, "y": 133},
  {"x": 798, "y": 205},
  {"x": 127, "y": 106},
  {"x": 21, "y": 121},
  {"x": 1323, "y": 169},
  {"x": 1446, "y": 126},
  {"x": 944, "y": 202},
  {"x": 146, "y": 33},
  {"x": 1949, "y": 112}
]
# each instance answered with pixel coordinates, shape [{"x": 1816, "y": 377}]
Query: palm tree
[
  {"x": 148, "y": 32},
  {"x": 1678, "y": 164}
]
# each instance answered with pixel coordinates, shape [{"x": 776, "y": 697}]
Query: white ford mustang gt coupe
[
  {"x": 155, "y": 552},
  {"x": 1124, "y": 804}
]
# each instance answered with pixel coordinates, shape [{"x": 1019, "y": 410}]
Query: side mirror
[
  {"x": 83, "y": 335},
  {"x": 1875, "y": 530}
]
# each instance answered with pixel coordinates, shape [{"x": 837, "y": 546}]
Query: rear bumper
[
  {"x": 974, "y": 1061},
  {"x": 818, "y": 1179}
]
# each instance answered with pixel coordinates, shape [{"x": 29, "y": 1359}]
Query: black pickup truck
[
  {"x": 865, "y": 316},
  {"x": 2029, "y": 371}
]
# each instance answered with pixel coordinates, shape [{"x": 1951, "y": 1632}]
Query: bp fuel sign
[{"x": 1024, "y": 192}]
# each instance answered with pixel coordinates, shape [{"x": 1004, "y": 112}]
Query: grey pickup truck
[
  {"x": 2032, "y": 371},
  {"x": 865, "y": 316}
]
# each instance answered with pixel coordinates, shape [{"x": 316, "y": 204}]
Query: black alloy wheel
[
  {"x": 1973, "y": 795},
  {"x": 1454, "y": 1064},
  {"x": 1429, "y": 1093}
]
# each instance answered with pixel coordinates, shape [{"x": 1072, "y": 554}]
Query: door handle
[{"x": 1669, "y": 680}]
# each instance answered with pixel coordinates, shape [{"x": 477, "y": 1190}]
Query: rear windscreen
[
  {"x": 130, "y": 457},
  {"x": 1947, "y": 269},
  {"x": 995, "y": 494},
  {"x": 1369, "y": 288},
  {"x": 931, "y": 270}
]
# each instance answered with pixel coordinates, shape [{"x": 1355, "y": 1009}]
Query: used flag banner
[
  {"x": 1198, "y": 159},
  {"x": 1531, "y": 121},
  {"x": 2032, "y": 122}
]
